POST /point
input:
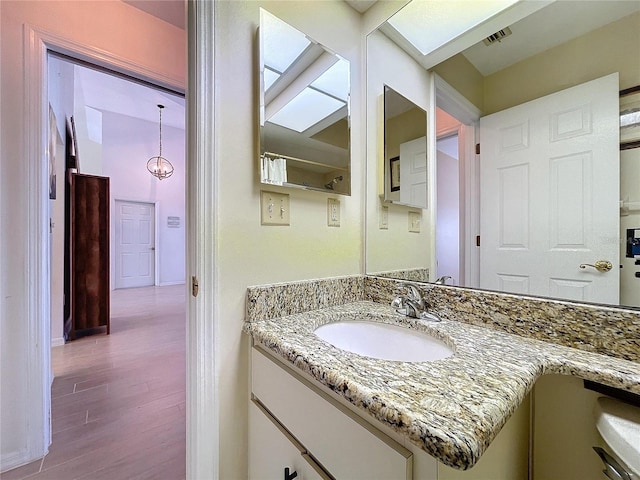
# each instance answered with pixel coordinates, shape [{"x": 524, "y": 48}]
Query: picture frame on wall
[
  {"x": 630, "y": 118},
  {"x": 394, "y": 169}
]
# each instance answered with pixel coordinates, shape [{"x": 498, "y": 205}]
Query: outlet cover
[
  {"x": 274, "y": 208},
  {"x": 384, "y": 217},
  {"x": 333, "y": 212},
  {"x": 414, "y": 222}
]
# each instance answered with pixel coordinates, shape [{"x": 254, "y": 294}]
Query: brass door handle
[{"x": 600, "y": 265}]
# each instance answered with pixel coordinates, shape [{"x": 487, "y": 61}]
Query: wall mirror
[
  {"x": 405, "y": 145},
  {"x": 304, "y": 111},
  {"x": 521, "y": 60}
]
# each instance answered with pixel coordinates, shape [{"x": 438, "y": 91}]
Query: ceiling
[
  {"x": 550, "y": 26},
  {"x": 171, "y": 11}
]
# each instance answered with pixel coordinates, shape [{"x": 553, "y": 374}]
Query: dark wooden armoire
[{"x": 87, "y": 298}]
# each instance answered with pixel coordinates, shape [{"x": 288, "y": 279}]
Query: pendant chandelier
[{"x": 159, "y": 166}]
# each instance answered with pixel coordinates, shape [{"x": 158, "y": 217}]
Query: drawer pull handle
[
  {"x": 613, "y": 469},
  {"x": 289, "y": 476}
]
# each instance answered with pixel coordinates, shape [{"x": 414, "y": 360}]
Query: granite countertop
[{"x": 451, "y": 408}]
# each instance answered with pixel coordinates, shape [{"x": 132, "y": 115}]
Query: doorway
[{"x": 117, "y": 131}]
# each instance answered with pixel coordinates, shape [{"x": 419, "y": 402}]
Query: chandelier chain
[{"x": 160, "y": 155}]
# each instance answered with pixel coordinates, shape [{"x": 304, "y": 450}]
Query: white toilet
[{"x": 619, "y": 427}]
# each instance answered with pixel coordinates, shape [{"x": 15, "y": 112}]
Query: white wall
[
  {"x": 61, "y": 80},
  {"x": 629, "y": 181},
  {"x": 394, "y": 248},
  {"x": 141, "y": 40},
  {"x": 127, "y": 145},
  {"x": 448, "y": 206},
  {"x": 251, "y": 254}
]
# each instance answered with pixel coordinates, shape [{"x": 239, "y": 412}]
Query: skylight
[
  {"x": 430, "y": 24},
  {"x": 335, "y": 81},
  {"x": 282, "y": 43},
  {"x": 305, "y": 110},
  {"x": 270, "y": 77}
]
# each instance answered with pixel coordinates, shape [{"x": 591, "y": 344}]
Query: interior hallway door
[
  {"x": 549, "y": 188},
  {"x": 135, "y": 244}
]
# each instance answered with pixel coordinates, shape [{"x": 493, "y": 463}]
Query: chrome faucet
[
  {"x": 443, "y": 280},
  {"x": 412, "y": 304}
]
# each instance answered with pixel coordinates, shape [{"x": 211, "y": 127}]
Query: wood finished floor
[{"x": 118, "y": 401}]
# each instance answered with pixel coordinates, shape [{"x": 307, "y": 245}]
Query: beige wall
[
  {"x": 458, "y": 72},
  {"x": 612, "y": 48},
  {"x": 394, "y": 248},
  {"x": 141, "y": 40},
  {"x": 251, "y": 254}
]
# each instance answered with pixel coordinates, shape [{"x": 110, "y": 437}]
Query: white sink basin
[{"x": 384, "y": 341}]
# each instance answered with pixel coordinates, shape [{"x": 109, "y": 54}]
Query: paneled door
[
  {"x": 413, "y": 172},
  {"x": 549, "y": 188},
  {"x": 135, "y": 244}
]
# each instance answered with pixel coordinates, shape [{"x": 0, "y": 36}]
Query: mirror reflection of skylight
[
  {"x": 335, "y": 81},
  {"x": 281, "y": 43},
  {"x": 429, "y": 24},
  {"x": 305, "y": 110},
  {"x": 269, "y": 78}
]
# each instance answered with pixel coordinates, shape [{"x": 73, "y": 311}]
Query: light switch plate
[
  {"x": 384, "y": 217},
  {"x": 333, "y": 212},
  {"x": 274, "y": 208},
  {"x": 414, "y": 222}
]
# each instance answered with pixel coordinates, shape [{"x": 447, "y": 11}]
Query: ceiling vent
[{"x": 497, "y": 37}]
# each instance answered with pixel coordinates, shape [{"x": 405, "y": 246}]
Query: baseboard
[
  {"x": 167, "y": 284},
  {"x": 15, "y": 459},
  {"x": 57, "y": 342}
]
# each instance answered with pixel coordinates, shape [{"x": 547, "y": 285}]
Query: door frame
[
  {"x": 202, "y": 400},
  {"x": 450, "y": 100},
  {"x": 156, "y": 276}
]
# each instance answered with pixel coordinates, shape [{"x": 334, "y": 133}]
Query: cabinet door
[
  {"x": 564, "y": 430},
  {"x": 271, "y": 450},
  {"x": 345, "y": 445}
]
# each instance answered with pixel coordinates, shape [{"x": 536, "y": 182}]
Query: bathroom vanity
[{"x": 333, "y": 413}]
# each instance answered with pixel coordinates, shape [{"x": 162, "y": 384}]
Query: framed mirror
[
  {"x": 304, "y": 111},
  {"x": 405, "y": 146},
  {"x": 524, "y": 60}
]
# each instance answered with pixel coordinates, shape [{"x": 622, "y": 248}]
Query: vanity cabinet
[
  {"x": 273, "y": 450},
  {"x": 564, "y": 430},
  {"x": 342, "y": 443},
  {"x": 295, "y": 424}
]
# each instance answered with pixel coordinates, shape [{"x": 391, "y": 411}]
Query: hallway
[{"x": 118, "y": 401}]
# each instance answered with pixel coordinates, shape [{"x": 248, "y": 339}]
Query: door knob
[
  {"x": 152, "y": 248},
  {"x": 600, "y": 265}
]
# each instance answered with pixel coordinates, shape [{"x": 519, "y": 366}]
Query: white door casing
[
  {"x": 549, "y": 198},
  {"x": 135, "y": 244}
]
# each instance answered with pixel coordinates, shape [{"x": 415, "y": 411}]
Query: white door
[
  {"x": 549, "y": 188},
  {"x": 135, "y": 244},
  {"x": 413, "y": 172}
]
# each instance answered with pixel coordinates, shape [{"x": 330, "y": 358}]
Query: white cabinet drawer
[
  {"x": 272, "y": 450},
  {"x": 345, "y": 445}
]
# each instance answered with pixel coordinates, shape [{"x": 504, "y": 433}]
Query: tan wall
[
  {"x": 458, "y": 72},
  {"x": 612, "y": 48},
  {"x": 251, "y": 254}
]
